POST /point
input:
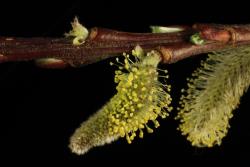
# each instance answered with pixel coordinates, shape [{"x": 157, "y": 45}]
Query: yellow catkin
[
  {"x": 213, "y": 94},
  {"x": 140, "y": 98}
]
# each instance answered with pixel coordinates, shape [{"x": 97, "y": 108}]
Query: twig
[{"x": 105, "y": 43}]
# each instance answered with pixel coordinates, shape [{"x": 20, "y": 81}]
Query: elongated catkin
[{"x": 213, "y": 94}]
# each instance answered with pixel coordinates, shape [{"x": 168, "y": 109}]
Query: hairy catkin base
[
  {"x": 140, "y": 98},
  {"x": 213, "y": 94},
  {"x": 91, "y": 133}
]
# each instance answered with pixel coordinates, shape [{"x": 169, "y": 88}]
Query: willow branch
[{"x": 104, "y": 43}]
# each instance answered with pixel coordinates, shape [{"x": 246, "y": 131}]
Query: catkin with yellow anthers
[
  {"x": 140, "y": 98},
  {"x": 211, "y": 97}
]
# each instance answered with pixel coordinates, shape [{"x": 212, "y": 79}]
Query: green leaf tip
[
  {"x": 196, "y": 39},
  {"x": 161, "y": 29},
  {"x": 78, "y": 32},
  {"x": 215, "y": 91},
  {"x": 140, "y": 98}
]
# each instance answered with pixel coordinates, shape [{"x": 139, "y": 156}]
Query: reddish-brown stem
[
  {"x": 174, "y": 53},
  {"x": 105, "y": 43}
]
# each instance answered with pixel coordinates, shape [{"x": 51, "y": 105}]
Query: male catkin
[
  {"x": 140, "y": 98},
  {"x": 213, "y": 94}
]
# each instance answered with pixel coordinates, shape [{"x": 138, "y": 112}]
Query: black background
[{"x": 40, "y": 108}]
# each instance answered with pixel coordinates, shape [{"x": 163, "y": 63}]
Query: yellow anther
[
  {"x": 156, "y": 123},
  {"x": 135, "y": 99},
  {"x": 150, "y": 98},
  {"x": 141, "y": 134},
  {"x": 117, "y": 122},
  {"x": 134, "y": 94},
  {"x": 149, "y": 130},
  {"x": 134, "y": 69},
  {"x": 123, "y": 123},
  {"x": 128, "y": 139},
  {"x": 132, "y": 109},
  {"x": 139, "y": 105},
  {"x": 164, "y": 115},
  {"x": 122, "y": 132},
  {"x": 130, "y": 77},
  {"x": 118, "y": 72},
  {"x": 115, "y": 129},
  {"x": 143, "y": 89},
  {"x": 133, "y": 136},
  {"x": 129, "y": 120},
  {"x": 141, "y": 126}
]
